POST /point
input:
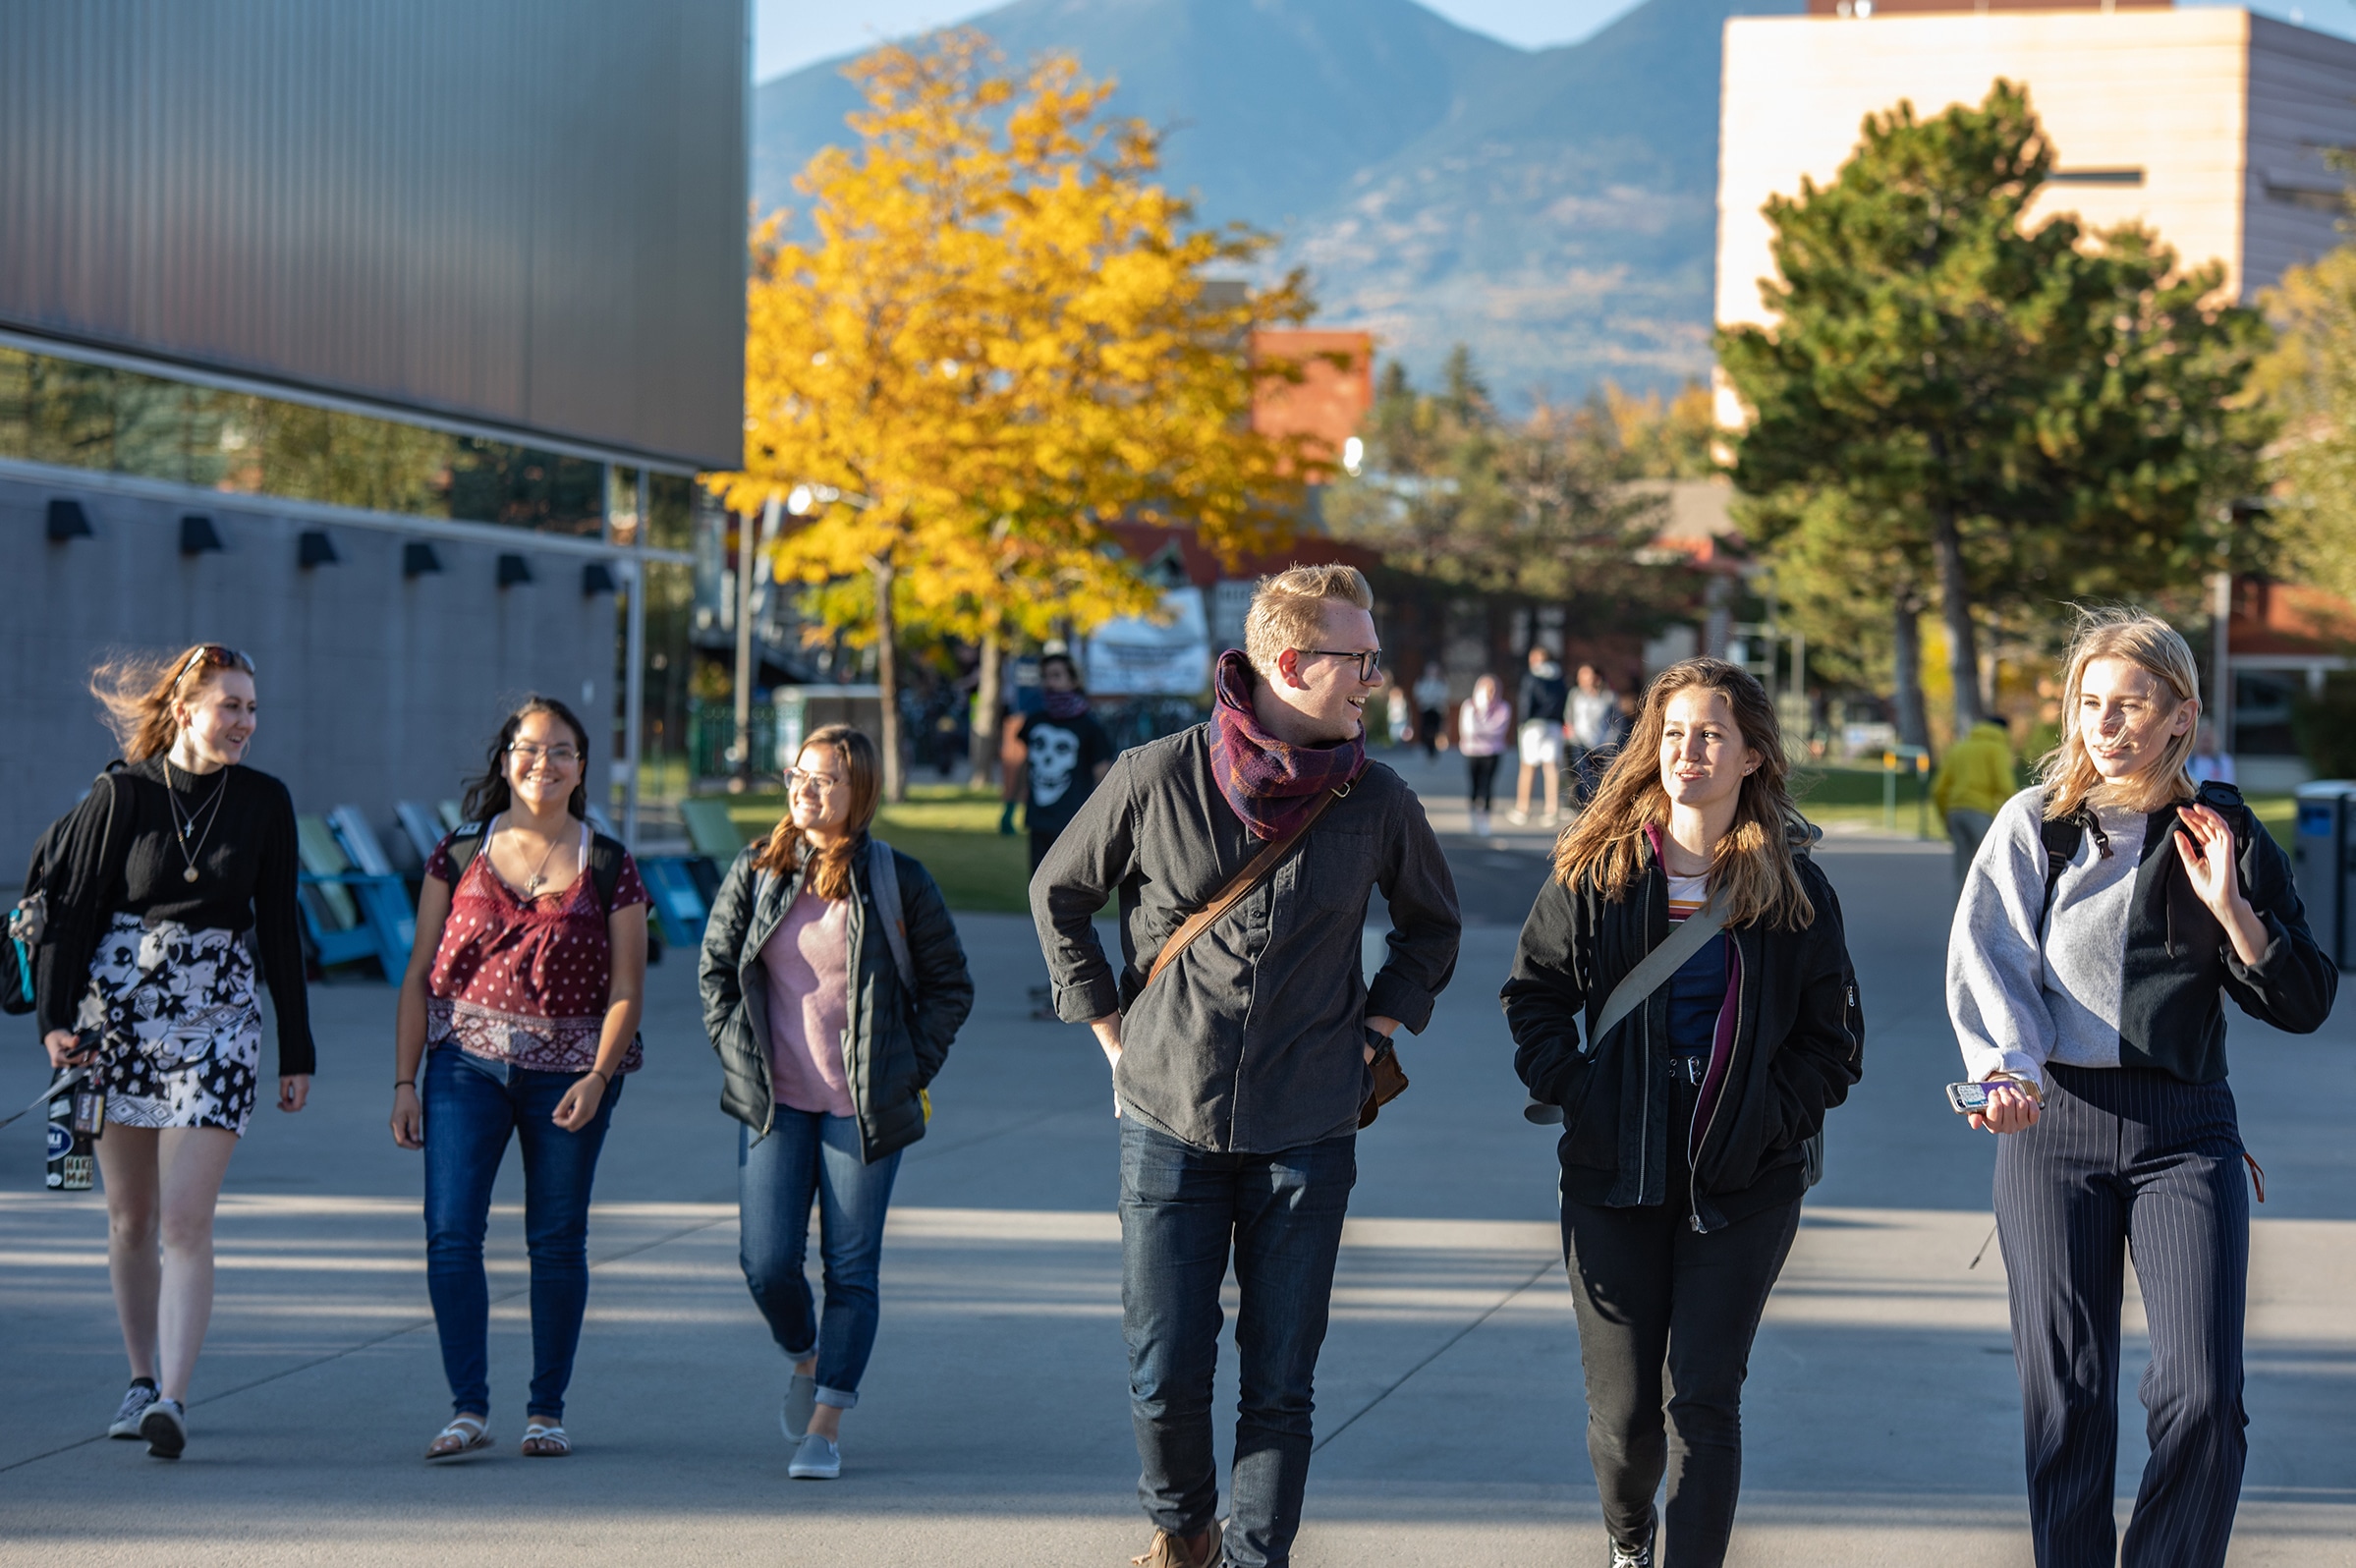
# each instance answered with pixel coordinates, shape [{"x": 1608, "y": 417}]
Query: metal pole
[
  {"x": 1799, "y": 684},
  {"x": 2221, "y": 660},
  {"x": 634, "y": 672},
  {"x": 740, "y": 752}
]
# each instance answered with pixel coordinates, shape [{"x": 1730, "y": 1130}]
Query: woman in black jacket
[
  {"x": 833, "y": 984},
  {"x": 1687, "y": 1123}
]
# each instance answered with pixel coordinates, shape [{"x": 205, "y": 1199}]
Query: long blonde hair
[
  {"x": 829, "y": 868},
  {"x": 136, "y": 692},
  {"x": 2067, "y": 772},
  {"x": 1754, "y": 862}
]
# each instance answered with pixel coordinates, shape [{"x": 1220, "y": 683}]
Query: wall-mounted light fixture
[
  {"x": 417, "y": 559},
  {"x": 597, "y": 578},
  {"x": 198, "y": 535},
  {"x": 67, "y": 521},
  {"x": 315, "y": 548},
  {"x": 513, "y": 569}
]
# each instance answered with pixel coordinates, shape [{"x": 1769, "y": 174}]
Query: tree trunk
[
  {"x": 1956, "y": 610},
  {"x": 887, "y": 679},
  {"x": 1906, "y": 668},
  {"x": 983, "y": 744}
]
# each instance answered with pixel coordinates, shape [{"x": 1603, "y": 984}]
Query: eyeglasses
[
  {"x": 212, "y": 655},
  {"x": 1369, "y": 663},
  {"x": 824, "y": 783},
  {"x": 527, "y": 753}
]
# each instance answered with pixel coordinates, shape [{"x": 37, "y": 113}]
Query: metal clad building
[
  {"x": 379, "y": 339},
  {"x": 528, "y": 214}
]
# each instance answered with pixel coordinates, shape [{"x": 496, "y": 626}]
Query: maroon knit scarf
[{"x": 1270, "y": 784}]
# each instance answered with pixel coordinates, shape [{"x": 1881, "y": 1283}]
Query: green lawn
[
  {"x": 1853, "y": 796},
  {"x": 952, "y": 830}
]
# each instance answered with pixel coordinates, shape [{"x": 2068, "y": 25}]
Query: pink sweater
[{"x": 808, "y": 962}]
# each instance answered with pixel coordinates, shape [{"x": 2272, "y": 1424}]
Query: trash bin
[{"x": 2323, "y": 863}]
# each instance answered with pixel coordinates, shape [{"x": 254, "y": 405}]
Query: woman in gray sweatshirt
[{"x": 2109, "y": 914}]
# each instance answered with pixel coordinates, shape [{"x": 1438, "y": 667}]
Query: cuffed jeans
[
  {"x": 469, "y": 1115},
  {"x": 810, "y": 1154},
  {"x": 1653, "y": 1295},
  {"x": 1182, "y": 1210},
  {"x": 2128, "y": 1157}
]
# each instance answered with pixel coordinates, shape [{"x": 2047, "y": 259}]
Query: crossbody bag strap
[
  {"x": 1242, "y": 882},
  {"x": 1658, "y": 965}
]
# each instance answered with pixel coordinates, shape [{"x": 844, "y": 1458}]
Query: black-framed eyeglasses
[
  {"x": 528, "y": 753},
  {"x": 1369, "y": 663}
]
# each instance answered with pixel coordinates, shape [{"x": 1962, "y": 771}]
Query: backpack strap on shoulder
[
  {"x": 605, "y": 859},
  {"x": 463, "y": 847},
  {"x": 2062, "y": 837},
  {"x": 883, "y": 882}
]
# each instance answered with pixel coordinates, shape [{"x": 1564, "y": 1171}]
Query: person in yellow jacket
[{"x": 1975, "y": 779}]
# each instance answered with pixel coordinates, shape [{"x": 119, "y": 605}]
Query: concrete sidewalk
[{"x": 1882, "y": 1416}]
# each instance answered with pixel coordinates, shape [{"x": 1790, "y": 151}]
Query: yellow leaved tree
[{"x": 997, "y": 338}]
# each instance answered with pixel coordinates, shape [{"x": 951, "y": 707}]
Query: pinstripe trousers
[{"x": 2128, "y": 1159}]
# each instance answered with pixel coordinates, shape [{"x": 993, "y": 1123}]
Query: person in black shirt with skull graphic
[{"x": 1065, "y": 752}]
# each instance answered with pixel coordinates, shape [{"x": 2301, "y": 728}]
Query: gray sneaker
[
  {"x": 165, "y": 1425},
  {"x": 135, "y": 1401},
  {"x": 800, "y": 1403},
  {"x": 818, "y": 1459}
]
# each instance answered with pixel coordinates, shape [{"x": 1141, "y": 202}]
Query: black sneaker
[
  {"x": 1632, "y": 1556},
  {"x": 135, "y": 1401},
  {"x": 166, "y": 1428}
]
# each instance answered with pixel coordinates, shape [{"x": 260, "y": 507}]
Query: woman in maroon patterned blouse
[{"x": 525, "y": 984}]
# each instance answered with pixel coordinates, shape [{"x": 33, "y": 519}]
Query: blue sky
[{"x": 788, "y": 34}]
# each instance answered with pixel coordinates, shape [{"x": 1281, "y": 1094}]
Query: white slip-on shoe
[
  {"x": 800, "y": 1403},
  {"x": 818, "y": 1459}
]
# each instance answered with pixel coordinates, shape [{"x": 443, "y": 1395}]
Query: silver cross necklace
[{"x": 184, "y": 823}]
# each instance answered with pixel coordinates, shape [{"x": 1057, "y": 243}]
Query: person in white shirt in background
[
  {"x": 2208, "y": 765},
  {"x": 1431, "y": 704},
  {"x": 1591, "y": 724}
]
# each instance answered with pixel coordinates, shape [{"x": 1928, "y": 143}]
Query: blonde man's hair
[
  {"x": 1288, "y": 610},
  {"x": 2067, "y": 772}
]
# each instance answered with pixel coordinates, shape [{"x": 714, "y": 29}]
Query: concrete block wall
[{"x": 373, "y": 687}]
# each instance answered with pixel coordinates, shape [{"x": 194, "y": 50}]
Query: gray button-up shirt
[{"x": 1252, "y": 1040}]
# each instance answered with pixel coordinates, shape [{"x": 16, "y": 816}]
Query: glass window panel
[{"x": 72, "y": 414}]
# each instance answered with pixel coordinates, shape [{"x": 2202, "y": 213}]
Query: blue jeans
[
  {"x": 1181, "y": 1209},
  {"x": 810, "y": 1154},
  {"x": 469, "y": 1114}
]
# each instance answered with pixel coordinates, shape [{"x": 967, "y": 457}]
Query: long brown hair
[
  {"x": 2067, "y": 772},
  {"x": 1753, "y": 862},
  {"x": 138, "y": 691},
  {"x": 489, "y": 794},
  {"x": 830, "y": 867}
]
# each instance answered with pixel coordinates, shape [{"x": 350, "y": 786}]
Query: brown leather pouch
[{"x": 1390, "y": 1080}]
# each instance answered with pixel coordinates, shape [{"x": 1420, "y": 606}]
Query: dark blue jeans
[
  {"x": 469, "y": 1115},
  {"x": 806, "y": 1155},
  {"x": 1182, "y": 1210}
]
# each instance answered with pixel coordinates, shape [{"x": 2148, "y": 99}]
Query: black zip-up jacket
[
  {"x": 1253, "y": 1039},
  {"x": 893, "y": 1044},
  {"x": 1798, "y": 1044}
]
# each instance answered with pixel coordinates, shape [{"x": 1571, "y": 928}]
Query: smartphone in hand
[{"x": 1969, "y": 1099}]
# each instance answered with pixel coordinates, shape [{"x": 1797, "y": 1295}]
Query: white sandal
[
  {"x": 545, "y": 1440},
  {"x": 466, "y": 1434}
]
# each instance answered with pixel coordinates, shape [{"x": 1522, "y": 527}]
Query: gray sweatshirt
[{"x": 2018, "y": 1003}]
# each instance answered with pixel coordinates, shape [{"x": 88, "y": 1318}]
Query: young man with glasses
[{"x": 1240, "y": 1068}]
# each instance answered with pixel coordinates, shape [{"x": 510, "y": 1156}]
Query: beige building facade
[{"x": 2210, "y": 125}]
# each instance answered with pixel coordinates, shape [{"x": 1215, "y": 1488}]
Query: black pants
[
  {"x": 1042, "y": 841},
  {"x": 1653, "y": 1297},
  {"x": 2119, "y": 1158},
  {"x": 1484, "y": 771}
]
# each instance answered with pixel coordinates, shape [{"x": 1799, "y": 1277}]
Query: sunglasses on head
[{"x": 212, "y": 655}]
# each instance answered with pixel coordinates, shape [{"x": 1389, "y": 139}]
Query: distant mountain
[{"x": 1554, "y": 210}]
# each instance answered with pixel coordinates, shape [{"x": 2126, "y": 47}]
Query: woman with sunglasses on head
[
  {"x": 833, "y": 984},
  {"x": 522, "y": 1003},
  {"x": 1688, "y": 1105},
  {"x": 146, "y": 979}
]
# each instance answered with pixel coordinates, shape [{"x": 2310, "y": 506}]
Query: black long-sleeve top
[{"x": 117, "y": 853}]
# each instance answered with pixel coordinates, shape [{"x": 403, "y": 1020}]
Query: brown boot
[{"x": 1198, "y": 1551}]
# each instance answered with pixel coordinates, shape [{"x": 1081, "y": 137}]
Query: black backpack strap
[
  {"x": 461, "y": 850},
  {"x": 2062, "y": 837},
  {"x": 605, "y": 859}
]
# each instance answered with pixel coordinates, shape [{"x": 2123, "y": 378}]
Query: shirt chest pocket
[{"x": 1333, "y": 870}]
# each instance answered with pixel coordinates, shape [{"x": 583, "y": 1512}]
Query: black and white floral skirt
[{"x": 180, "y": 1022}]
